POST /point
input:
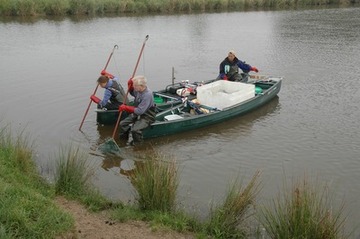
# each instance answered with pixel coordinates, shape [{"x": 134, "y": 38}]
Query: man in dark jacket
[{"x": 229, "y": 68}]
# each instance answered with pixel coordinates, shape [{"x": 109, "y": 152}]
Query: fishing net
[{"x": 109, "y": 147}]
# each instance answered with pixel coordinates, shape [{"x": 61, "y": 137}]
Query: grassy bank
[
  {"x": 101, "y": 7},
  {"x": 26, "y": 206},
  {"x": 28, "y": 210}
]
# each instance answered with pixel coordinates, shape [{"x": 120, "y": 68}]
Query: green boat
[{"x": 184, "y": 106}]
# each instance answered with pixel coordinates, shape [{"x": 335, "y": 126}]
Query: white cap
[{"x": 232, "y": 52}]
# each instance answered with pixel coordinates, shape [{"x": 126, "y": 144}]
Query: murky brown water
[{"x": 49, "y": 69}]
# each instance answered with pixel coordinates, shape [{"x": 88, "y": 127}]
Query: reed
[
  {"x": 73, "y": 176},
  {"x": 156, "y": 181},
  {"x": 227, "y": 220},
  {"x": 304, "y": 213},
  {"x": 92, "y": 7}
]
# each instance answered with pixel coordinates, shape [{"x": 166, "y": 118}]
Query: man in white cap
[
  {"x": 141, "y": 114},
  {"x": 229, "y": 68}
]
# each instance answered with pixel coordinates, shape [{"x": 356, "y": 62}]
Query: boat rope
[{"x": 116, "y": 66}]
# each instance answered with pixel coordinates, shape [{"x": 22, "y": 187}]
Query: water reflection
[{"x": 127, "y": 160}]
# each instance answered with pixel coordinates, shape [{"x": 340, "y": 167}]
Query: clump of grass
[
  {"x": 18, "y": 149},
  {"x": 305, "y": 213},
  {"x": 227, "y": 220},
  {"x": 72, "y": 172},
  {"x": 73, "y": 179},
  {"x": 156, "y": 182}
]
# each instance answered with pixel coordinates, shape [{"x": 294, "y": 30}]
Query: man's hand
[
  {"x": 95, "y": 99},
  {"x": 253, "y": 68},
  {"x": 127, "y": 108}
]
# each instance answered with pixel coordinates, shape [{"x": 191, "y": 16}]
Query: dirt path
[{"x": 97, "y": 225}]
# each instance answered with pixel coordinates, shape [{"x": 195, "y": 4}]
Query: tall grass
[
  {"x": 92, "y": 7},
  {"x": 305, "y": 213},
  {"x": 227, "y": 220},
  {"x": 73, "y": 179},
  {"x": 72, "y": 173},
  {"x": 26, "y": 206},
  {"x": 156, "y": 182}
]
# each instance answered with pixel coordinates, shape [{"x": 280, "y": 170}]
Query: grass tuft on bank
[
  {"x": 73, "y": 176},
  {"x": 156, "y": 182},
  {"x": 305, "y": 212},
  {"x": 227, "y": 220}
]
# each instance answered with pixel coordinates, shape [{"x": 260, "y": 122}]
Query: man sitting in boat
[
  {"x": 141, "y": 115},
  {"x": 114, "y": 94},
  {"x": 229, "y": 68}
]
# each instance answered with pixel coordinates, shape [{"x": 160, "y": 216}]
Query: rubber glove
[
  {"x": 105, "y": 73},
  {"x": 253, "y": 68},
  {"x": 95, "y": 99},
  {"x": 223, "y": 76},
  {"x": 127, "y": 108},
  {"x": 130, "y": 85}
]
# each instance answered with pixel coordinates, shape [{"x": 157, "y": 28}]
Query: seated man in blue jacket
[{"x": 229, "y": 68}]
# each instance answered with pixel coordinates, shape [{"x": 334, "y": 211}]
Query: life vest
[{"x": 117, "y": 92}]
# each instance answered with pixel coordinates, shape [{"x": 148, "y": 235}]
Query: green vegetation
[
  {"x": 72, "y": 179},
  {"x": 305, "y": 213},
  {"x": 227, "y": 219},
  {"x": 101, "y": 7},
  {"x": 156, "y": 182},
  {"x": 26, "y": 201},
  {"x": 28, "y": 210}
]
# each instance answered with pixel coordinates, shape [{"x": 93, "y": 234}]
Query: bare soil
[{"x": 99, "y": 226}]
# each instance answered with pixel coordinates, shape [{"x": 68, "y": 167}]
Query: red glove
[
  {"x": 127, "y": 108},
  {"x": 225, "y": 77},
  {"x": 95, "y": 99},
  {"x": 253, "y": 68},
  {"x": 105, "y": 73},
  {"x": 130, "y": 85}
]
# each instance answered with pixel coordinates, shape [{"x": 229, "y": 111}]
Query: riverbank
[
  {"x": 72, "y": 208},
  {"x": 99, "y": 225},
  {"x": 32, "y": 208},
  {"x": 116, "y": 7}
]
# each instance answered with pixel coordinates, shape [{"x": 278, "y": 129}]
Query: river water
[{"x": 49, "y": 69}]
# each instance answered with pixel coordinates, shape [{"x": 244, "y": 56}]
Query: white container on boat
[
  {"x": 172, "y": 117},
  {"x": 221, "y": 94}
]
